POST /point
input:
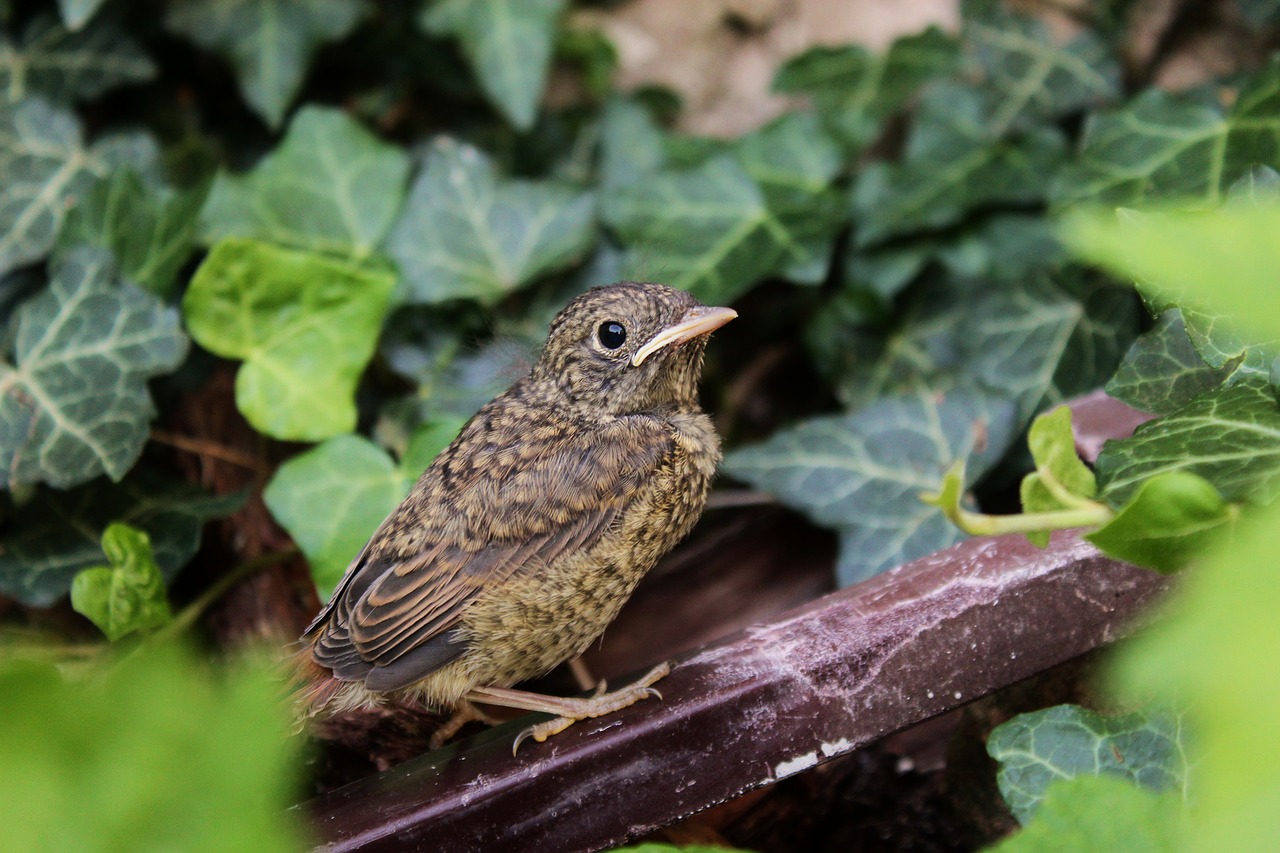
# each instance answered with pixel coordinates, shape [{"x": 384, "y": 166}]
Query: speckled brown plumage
[{"x": 523, "y": 539}]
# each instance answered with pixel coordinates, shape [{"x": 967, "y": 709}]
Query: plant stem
[{"x": 980, "y": 524}]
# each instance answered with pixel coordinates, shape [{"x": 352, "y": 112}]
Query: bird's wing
[{"x": 399, "y": 608}]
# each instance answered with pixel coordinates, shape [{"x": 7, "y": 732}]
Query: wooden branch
[{"x": 768, "y": 702}]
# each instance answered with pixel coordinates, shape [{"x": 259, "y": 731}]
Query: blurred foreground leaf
[
  {"x": 157, "y": 755},
  {"x": 65, "y": 65}
]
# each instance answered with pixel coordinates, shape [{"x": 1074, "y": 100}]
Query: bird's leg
[
  {"x": 568, "y": 710},
  {"x": 466, "y": 712},
  {"x": 582, "y": 675}
]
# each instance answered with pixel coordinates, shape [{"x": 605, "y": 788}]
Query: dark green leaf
[
  {"x": 631, "y": 145},
  {"x": 1029, "y": 77},
  {"x": 952, "y": 166},
  {"x": 1230, "y": 436},
  {"x": 333, "y": 497},
  {"x": 157, "y": 754},
  {"x": 1261, "y": 13},
  {"x": 1175, "y": 146},
  {"x": 1065, "y": 741},
  {"x": 74, "y": 400},
  {"x": 465, "y": 233},
  {"x": 76, "y": 13},
  {"x": 127, "y": 595},
  {"x": 56, "y": 534},
  {"x": 67, "y": 66},
  {"x": 1162, "y": 371},
  {"x": 708, "y": 229},
  {"x": 149, "y": 234},
  {"x": 855, "y": 90},
  {"x": 331, "y": 186},
  {"x": 269, "y": 42},
  {"x": 1101, "y": 813},
  {"x": 863, "y": 473},
  {"x": 304, "y": 324},
  {"x": 46, "y": 168},
  {"x": 794, "y": 164},
  {"x": 1171, "y": 519},
  {"x": 508, "y": 43}
]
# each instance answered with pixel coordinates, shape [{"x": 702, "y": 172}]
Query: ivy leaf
[
  {"x": 466, "y": 234},
  {"x": 1171, "y": 519},
  {"x": 952, "y": 166},
  {"x": 1160, "y": 145},
  {"x": 268, "y": 42},
  {"x": 158, "y": 734},
  {"x": 1175, "y": 254},
  {"x": 855, "y": 90},
  {"x": 794, "y": 163},
  {"x": 65, "y": 66},
  {"x": 1261, "y": 13},
  {"x": 1053, "y": 447},
  {"x": 1029, "y": 78},
  {"x": 507, "y": 42},
  {"x": 863, "y": 473},
  {"x": 46, "y": 168},
  {"x": 1230, "y": 436},
  {"x": 74, "y": 401},
  {"x": 1101, "y": 813},
  {"x": 1065, "y": 741},
  {"x": 332, "y": 498},
  {"x": 1162, "y": 371},
  {"x": 331, "y": 186},
  {"x": 56, "y": 534},
  {"x": 304, "y": 324},
  {"x": 631, "y": 145},
  {"x": 709, "y": 228},
  {"x": 128, "y": 595},
  {"x": 149, "y": 233},
  {"x": 76, "y": 13}
]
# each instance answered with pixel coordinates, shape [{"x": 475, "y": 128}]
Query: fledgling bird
[{"x": 523, "y": 539}]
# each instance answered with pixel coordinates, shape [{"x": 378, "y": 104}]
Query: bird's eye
[{"x": 612, "y": 334}]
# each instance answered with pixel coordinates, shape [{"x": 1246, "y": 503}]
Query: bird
[{"x": 522, "y": 540}]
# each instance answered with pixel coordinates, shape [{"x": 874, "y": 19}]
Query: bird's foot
[
  {"x": 466, "y": 712},
  {"x": 569, "y": 710}
]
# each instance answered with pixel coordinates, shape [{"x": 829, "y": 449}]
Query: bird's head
[{"x": 628, "y": 347}]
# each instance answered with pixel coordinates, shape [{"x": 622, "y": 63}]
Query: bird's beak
[{"x": 695, "y": 322}]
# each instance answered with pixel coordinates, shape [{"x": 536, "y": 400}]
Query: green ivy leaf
[
  {"x": 1101, "y": 813},
  {"x": 709, "y": 228},
  {"x": 1162, "y": 371},
  {"x": 76, "y": 13},
  {"x": 1261, "y": 13},
  {"x": 269, "y": 42},
  {"x": 331, "y": 186},
  {"x": 46, "y": 168},
  {"x": 507, "y": 42},
  {"x": 103, "y": 758},
  {"x": 952, "y": 166},
  {"x": 855, "y": 90},
  {"x": 466, "y": 234},
  {"x": 128, "y": 595},
  {"x": 332, "y": 498},
  {"x": 1065, "y": 741},
  {"x": 863, "y": 473},
  {"x": 304, "y": 324},
  {"x": 1053, "y": 447},
  {"x": 1175, "y": 254},
  {"x": 1230, "y": 436},
  {"x": 73, "y": 400},
  {"x": 632, "y": 146},
  {"x": 1172, "y": 518},
  {"x": 1160, "y": 145},
  {"x": 66, "y": 66},
  {"x": 1029, "y": 77},
  {"x": 56, "y": 534},
  {"x": 794, "y": 163},
  {"x": 149, "y": 233}
]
